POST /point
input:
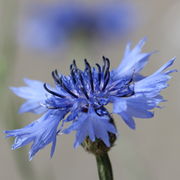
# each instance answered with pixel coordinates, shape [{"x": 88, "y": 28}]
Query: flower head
[{"x": 81, "y": 98}]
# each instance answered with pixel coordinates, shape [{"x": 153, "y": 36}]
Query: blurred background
[{"x": 38, "y": 36}]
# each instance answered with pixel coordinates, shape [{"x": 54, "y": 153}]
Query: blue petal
[
  {"x": 128, "y": 120},
  {"x": 153, "y": 84},
  {"x": 35, "y": 95},
  {"x": 135, "y": 106},
  {"x": 74, "y": 112},
  {"x": 165, "y": 66},
  {"x": 32, "y": 106},
  {"x": 41, "y": 132},
  {"x": 133, "y": 61},
  {"x": 92, "y": 125}
]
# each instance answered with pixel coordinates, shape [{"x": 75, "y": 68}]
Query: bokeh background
[{"x": 152, "y": 151}]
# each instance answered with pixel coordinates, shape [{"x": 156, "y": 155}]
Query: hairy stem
[{"x": 104, "y": 167}]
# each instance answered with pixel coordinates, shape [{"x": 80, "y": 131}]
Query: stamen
[
  {"x": 83, "y": 86},
  {"x": 56, "y": 77},
  {"x": 88, "y": 68},
  {"x": 107, "y": 68},
  {"x": 74, "y": 64},
  {"x": 99, "y": 73},
  {"x": 104, "y": 60},
  {"x": 74, "y": 72},
  {"x": 106, "y": 81},
  {"x": 60, "y": 82},
  {"x": 66, "y": 89},
  {"x": 73, "y": 76},
  {"x": 52, "y": 92}
]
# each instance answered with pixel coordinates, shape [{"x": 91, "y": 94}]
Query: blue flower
[
  {"x": 49, "y": 26},
  {"x": 81, "y": 98},
  {"x": 115, "y": 20},
  {"x": 53, "y": 25}
]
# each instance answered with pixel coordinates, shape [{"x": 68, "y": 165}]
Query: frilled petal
[
  {"x": 41, "y": 132},
  {"x": 92, "y": 125},
  {"x": 32, "y": 106},
  {"x": 153, "y": 84},
  {"x": 135, "y": 106},
  {"x": 35, "y": 95},
  {"x": 133, "y": 61},
  {"x": 146, "y": 96}
]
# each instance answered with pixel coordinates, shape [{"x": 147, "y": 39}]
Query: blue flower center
[{"x": 92, "y": 87}]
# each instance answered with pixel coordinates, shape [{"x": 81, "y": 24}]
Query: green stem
[{"x": 104, "y": 167}]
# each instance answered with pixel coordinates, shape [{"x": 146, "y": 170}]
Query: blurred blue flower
[
  {"x": 81, "y": 98},
  {"x": 115, "y": 20},
  {"x": 51, "y": 26}
]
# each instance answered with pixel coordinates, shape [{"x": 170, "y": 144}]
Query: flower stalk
[{"x": 104, "y": 167}]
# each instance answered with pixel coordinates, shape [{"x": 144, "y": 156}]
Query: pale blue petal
[
  {"x": 133, "y": 61},
  {"x": 128, "y": 119},
  {"x": 135, "y": 106},
  {"x": 41, "y": 132},
  {"x": 153, "y": 84},
  {"x": 34, "y": 93},
  {"x": 92, "y": 125},
  {"x": 32, "y": 106},
  {"x": 165, "y": 66}
]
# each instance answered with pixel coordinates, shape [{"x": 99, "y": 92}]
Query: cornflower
[{"x": 80, "y": 99}]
